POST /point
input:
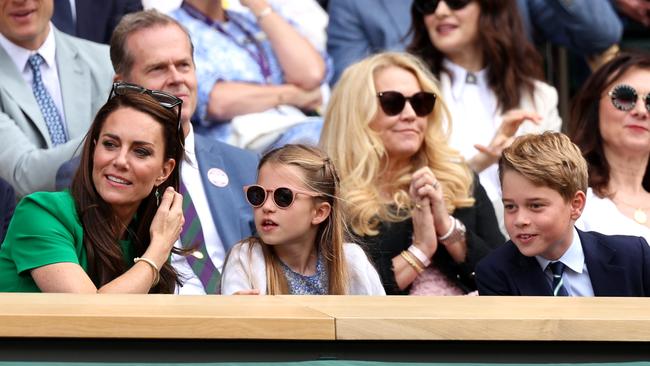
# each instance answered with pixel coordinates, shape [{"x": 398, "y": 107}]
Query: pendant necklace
[{"x": 640, "y": 216}]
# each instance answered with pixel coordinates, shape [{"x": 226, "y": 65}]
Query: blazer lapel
[
  {"x": 222, "y": 206},
  {"x": 529, "y": 278},
  {"x": 606, "y": 279},
  {"x": 17, "y": 89},
  {"x": 75, "y": 86},
  {"x": 394, "y": 8}
]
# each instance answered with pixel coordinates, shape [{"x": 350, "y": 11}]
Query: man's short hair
[
  {"x": 120, "y": 57},
  {"x": 549, "y": 159}
]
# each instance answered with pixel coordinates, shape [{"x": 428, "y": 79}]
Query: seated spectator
[
  {"x": 610, "y": 122},
  {"x": 7, "y": 206},
  {"x": 256, "y": 74},
  {"x": 491, "y": 97},
  {"x": 52, "y": 86},
  {"x": 299, "y": 249},
  {"x": 90, "y": 19},
  {"x": 544, "y": 178},
  {"x": 151, "y": 49},
  {"x": 407, "y": 195},
  {"x": 114, "y": 230}
]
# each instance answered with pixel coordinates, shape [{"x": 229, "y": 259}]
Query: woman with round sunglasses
[
  {"x": 490, "y": 77},
  {"x": 114, "y": 230},
  {"x": 410, "y": 199},
  {"x": 299, "y": 248},
  {"x": 610, "y": 122}
]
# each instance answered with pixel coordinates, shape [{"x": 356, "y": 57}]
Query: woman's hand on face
[
  {"x": 511, "y": 121},
  {"x": 426, "y": 185},
  {"x": 168, "y": 222}
]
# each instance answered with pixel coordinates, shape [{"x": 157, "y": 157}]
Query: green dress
[{"x": 45, "y": 229}]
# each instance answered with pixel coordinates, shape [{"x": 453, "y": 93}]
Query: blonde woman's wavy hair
[
  {"x": 360, "y": 155},
  {"x": 320, "y": 176}
]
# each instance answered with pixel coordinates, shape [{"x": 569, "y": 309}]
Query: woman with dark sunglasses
[
  {"x": 419, "y": 210},
  {"x": 610, "y": 122},
  {"x": 299, "y": 248},
  {"x": 114, "y": 230},
  {"x": 490, "y": 77}
]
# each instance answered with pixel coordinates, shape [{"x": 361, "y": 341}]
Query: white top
[
  {"x": 49, "y": 70},
  {"x": 246, "y": 270},
  {"x": 476, "y": 119},
  {"x": 576, "y": 276},
  {"x": 191, "y": 177},
  {"x": 602, "y": 215}
]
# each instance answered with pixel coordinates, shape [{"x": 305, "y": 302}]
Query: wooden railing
[{"x": 324, "y": 317}]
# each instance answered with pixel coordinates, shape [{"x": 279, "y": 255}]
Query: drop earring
[{"x": 157, "y": 194}]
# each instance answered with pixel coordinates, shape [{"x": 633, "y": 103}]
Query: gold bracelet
[
  {"x": 407, "y": 257},
  {"x": 154, "y": 267}
]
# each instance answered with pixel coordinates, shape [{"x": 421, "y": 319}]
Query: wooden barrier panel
[
  {"x": 472, "y": 318},
  {"x": 325, "y": 317},
  {"x": 160, "y": 317}
]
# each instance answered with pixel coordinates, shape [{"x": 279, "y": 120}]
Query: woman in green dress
[{"x": 114, "y": 230}]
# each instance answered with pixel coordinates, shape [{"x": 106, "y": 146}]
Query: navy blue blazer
[{"x": 618, "y": 266}]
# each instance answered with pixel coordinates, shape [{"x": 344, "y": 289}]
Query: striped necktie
[
  {"x": 192, "y": 237},
  {"x": 45, "y": 102},
  {"x": 557, "y": 268}
]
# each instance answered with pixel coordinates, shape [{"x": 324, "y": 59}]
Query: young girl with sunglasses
[
  {"x": 299, "y": 248},
  {"x": 610, "y": 122}
]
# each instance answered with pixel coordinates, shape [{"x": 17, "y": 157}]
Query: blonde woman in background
[{"x": 410, "y": 198}]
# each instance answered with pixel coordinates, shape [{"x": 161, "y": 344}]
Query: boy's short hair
[{"x": 549, "y": 159}]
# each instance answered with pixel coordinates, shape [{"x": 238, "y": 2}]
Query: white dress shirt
[
  {"x": 576, "y": 276},
  {"x": 49, "y": 70},
  {"x": 191, "y": 177}
]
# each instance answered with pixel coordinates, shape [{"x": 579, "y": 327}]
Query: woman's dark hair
[
  {"x": 512, "y": 61},
  {"x": 583, "y": 127},
  {"x": 101, "y": 226}
]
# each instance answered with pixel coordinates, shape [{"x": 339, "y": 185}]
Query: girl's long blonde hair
[
  {"x": 320, "y": 176},
  {"x": 360, "y": 155}
]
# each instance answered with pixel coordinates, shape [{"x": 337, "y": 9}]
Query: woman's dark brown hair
[
  {"x": 101, "y": 226},
  {"x": 584, "y": 129},
  {"x": 511, "y": 60}
]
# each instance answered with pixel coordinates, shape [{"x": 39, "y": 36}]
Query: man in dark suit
[
  {"x": 153, "y": 50},
  {"x": 91, "y": 19},
  {"x": 543, "y": 180}
]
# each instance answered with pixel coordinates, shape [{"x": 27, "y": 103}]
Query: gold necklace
[{"x": 639, "y": 212}]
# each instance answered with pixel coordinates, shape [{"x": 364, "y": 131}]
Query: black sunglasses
[
  {"x": 392, "y": 102},
  {"x": 624, "y": 98},
  {"x": 427, "y": 7},
  {"x": 164, "y": 99},
  {"x": 283, "y": 197}
]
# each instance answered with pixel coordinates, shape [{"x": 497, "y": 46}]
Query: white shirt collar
[
  {"x": 19, "y": 55},
  {"x": 458, "y": 76},
  {"x": 190, "y": 153},
  {"x": 573, "y": 258}
]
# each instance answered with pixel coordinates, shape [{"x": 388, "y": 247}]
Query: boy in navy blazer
[{"x": 543, "y": 179}]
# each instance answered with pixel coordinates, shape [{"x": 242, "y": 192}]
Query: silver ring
[{"x": 435, "y": 185}]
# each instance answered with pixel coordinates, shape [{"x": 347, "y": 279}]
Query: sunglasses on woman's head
[
  {"x": 164, "y": 99},
  {"x": 427, "y": 7},
  {"x": 392, "y": 102},
  {"x": 624, "y": 98},
  {"x": 283, "y": 197}
]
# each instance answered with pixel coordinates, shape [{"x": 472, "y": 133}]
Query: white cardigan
[{"x": 246, "y": 270}]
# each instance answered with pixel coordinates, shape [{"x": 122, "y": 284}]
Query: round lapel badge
[{"x": 218, "y": 177}]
